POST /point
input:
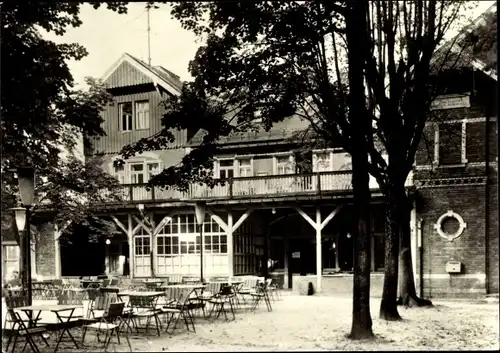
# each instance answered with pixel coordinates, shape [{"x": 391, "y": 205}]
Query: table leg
[
  {"x": 65, "y": 329},
  {"x": 31, "y": 323}
]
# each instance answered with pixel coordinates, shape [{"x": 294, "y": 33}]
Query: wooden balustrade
[{"x": 249, "y": 187}]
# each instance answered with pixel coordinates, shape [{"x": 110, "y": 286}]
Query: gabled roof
[
  {"x": 158, "y": 74},
  {"x": 474, "y": 25}
]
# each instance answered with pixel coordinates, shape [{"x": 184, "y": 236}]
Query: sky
[{"x": 107, "y": 35}]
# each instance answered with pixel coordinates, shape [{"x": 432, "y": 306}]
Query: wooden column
[
  {"x": 57, "y": 252},
  {"x": 318, "y": 250},
  {"x": 153, "y": 246},
  {"x": 230, "y": 244},
  {"x": 337, "y": 267},
  {"x": 287, "y": 281},
  {"x": 130, "y": 239},
  {"x": 414, "y": 245}
]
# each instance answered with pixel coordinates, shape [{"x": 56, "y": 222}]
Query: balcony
[{"x": 315, "y": 184}]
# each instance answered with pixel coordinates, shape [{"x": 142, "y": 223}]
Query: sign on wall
[
  {"x": 296, "y": 255},
  {"x": 451, "y": 101}
]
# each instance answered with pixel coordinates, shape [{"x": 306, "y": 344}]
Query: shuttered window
[{"x": 142, "y": 115}]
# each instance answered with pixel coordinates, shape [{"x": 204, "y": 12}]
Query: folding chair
[
  {"x": 144, "y": 306},
  {"x": 19, "y": 327},
  {"x": 260, "y": 294},
  {"x": 224, "y": 297},
  {"x": 211, "y": 290},
  {"x": 110, "y": 323},
  {"x": 178, "y": 306}
]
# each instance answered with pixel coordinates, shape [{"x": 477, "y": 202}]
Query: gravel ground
[{"x": 321, "y": 323}]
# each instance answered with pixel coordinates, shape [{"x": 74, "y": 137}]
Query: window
[
  {"x": 283, "y": 165},
  {"x": 137, "y": 173},
  {"x": 178, "y": 246},
  {"x": 452, "y": 143},
  {"x": 153, "y": 169},
  {"x": 125, "y": 111},
  {"x": 142, "y": 253},
  {"x": 226, "y": 168},
  {"x": 11, "y": 261},
  {"x": 119, "y": 174},
  {"x": 142, "y": 115},
  {"x": 323, "y": 162},
  {"x": 245, "y": 167}
]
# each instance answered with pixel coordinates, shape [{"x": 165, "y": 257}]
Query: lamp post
[
  {"x": 26, "y": 182},
  {"x": 200, "y": 210}
]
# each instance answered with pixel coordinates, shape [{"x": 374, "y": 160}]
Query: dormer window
[{"x": 125, "y": 111}]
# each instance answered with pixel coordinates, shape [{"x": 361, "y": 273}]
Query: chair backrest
[
  {"x": 105, "y": 282},
  {"x": 12, "y": 302},
  {"x": 114, "y": 311},
  {"x": 142, "y": 302},
  {"x": 269, "y": 281},
  {"x": 70, "y": 298},
  {"x": 213, "y": 287},
  {"x": 57, "y": 282},
  {"x": 114, "y": 282},
  {"x": 104, "y": 299},
  {"x": 191, "y": 279},
  {"x": 175, "y": 279},
  {"x": 251, "y": 282}
]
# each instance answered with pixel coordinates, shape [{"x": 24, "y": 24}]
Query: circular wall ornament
[{"x": 448, "y": 236}]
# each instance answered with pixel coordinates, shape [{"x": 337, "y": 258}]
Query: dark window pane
[
  {"x": 138, "y": 250},
  {"x": 168, "y": 241},
  {"x": 230, "y": 173},
  {"x": 175, "y": 228},
  {"x": 183, "y": 228},
  {"x": 175, "y": 240},
  {"x": 183, "y": 248},
  {"x": 147, "y": 249},
  {"x": 223, "y": 248},
  {"x": 145, "y": 241},
  {"x": 223, "y": 239},
  {"x": 198, "y": 241},
  {"x": 215, "y": 227},
  {"x": 167, "y": 229},
  {"x": 159, "y": 250},
  {"x": 215, "y": 239},
  {"x": 191, "y": 228},
  {"x": 207, "y": 239},
  {"x": 129, "y": 122},
  {"x": 160, "y": 241},
  {"x": 198, "y": 247},
  {"x": 175, "y": 249},
  {"x": 215, "y": 248},
  {"x": 208, "y": 247},
  {"x": 168, "y": 250},
  {"x": 226, "y": 163},
  {"x": 206, "y": 228}
]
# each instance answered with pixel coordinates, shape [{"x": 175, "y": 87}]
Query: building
[{"x": 293, "y": 208}]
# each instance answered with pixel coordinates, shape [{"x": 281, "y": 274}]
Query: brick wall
[
  {"x": 469, "y": 201},
  {"x": 45, "y": 250},
  {"x": 493, "y": 248}
]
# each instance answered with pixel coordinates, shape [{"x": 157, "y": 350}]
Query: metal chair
[
  {"x": 19, "y": 325},
  {"x": 110, "y": 323},
  {"x": 141, "y": 307},
  {"x": 177, "y": 308}
]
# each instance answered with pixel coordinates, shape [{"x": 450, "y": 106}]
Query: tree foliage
[{"x": 41, "y": 111}]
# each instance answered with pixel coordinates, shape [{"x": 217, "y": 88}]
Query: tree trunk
[
  {"x": 356, "y": 35},
  {"x": 388, "y": 306},
  {"x": 407, "y": 292}
]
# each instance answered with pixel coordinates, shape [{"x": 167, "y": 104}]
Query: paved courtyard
[{"x": 321, "y": 323}]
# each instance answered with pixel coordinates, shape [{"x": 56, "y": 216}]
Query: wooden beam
[
  {"x": 219, "y": 220},
  {"x": 120, "y": 224},
  {"x": 163, "y": 223},
  {"x": 308, "y": 219},
  {"x": 230, "y": 244},
  {"x": 330, "y": 216},
  {"x": 242, "y": 219},
  {"x": 130, "y": 237},
  {"x": 319, "y": 262},
  {"x": 148, "y": 229}
]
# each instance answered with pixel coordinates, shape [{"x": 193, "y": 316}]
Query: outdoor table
[
  {"x": 55, "y": 308},
  {"x": 153, "y": 284}
]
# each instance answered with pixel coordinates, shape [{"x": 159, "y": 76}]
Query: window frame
[
  {"x": 219, "y": 168},
  {"x": 129, "y": 120},
  {"x": 248, "y": 168},
  {"x": 136, "y": 114}
]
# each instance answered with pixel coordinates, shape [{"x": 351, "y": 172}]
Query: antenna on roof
[{"x": 149, "y": 37}]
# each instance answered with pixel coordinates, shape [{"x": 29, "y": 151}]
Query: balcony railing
[{"x": 251, "y": 187}]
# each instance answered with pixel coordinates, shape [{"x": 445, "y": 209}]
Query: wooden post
[
  {"x": 319, "y": 270},
  {"x": 130, "y": 246},
  {"x": 287, "y": 281},
  {"x": 57, "y": 252},
  {"x": 230, "y": 244}
]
